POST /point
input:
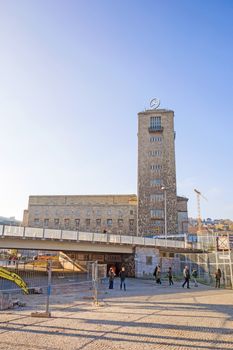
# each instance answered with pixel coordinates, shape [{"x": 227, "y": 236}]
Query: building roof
[
  {"x": 181, "y": 198},
  {"x": 159, "y": 110}
]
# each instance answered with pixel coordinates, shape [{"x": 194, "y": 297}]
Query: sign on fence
[{"x": 222, "y": 242}]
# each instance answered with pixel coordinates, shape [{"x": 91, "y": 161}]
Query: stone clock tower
[{"x": 157, "y": 201}]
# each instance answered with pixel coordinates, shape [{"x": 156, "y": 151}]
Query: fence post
[
  {"x": 95, "y": 282},
  {"x": 47, "y": 313},
  {"x": 49, "y": 270}
]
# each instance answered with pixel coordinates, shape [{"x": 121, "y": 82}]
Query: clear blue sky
[{"x": 74, "y": 75}]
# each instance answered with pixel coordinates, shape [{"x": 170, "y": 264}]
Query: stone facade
[
  {"x": 115, "y": 214},
  {"x": 182, "y": 212},
  {"x": 145, "y": 261},
  {"x": 156, "y": 173}
]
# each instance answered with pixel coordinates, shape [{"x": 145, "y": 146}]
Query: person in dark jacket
[
  {"x": 122, "y": 275},
  {"x": 186, "y": 274},
  {"x": 218, "y": 275},
  {"x": 158, "y": 274},
  {"x": 111, "y": 276},
  {"x": 155, "y": 271},
  {"x": 170, "y": 277}
]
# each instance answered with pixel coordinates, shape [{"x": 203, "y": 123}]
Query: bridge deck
[{"x": 50, "y": 239}]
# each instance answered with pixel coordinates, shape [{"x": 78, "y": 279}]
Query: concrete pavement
[{"x": 146, "y": 316}]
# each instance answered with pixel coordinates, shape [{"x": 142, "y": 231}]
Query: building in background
[
  {"x": 126, "y": 214},
  {"x": 115, "y": 214},
  {"x": 9, "y": 221}
]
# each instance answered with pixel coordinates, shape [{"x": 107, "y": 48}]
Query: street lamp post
[{"x": 165, "y": 212}]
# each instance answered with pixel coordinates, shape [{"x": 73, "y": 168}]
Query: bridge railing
[{"x": 78, "y": 236}]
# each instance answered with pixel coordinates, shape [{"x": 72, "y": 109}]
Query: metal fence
[
  {"x": 49, "y": 288},
  {"x": 207, "y": 264}
]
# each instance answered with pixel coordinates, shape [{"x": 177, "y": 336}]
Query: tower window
[
  {"x": 156, "y": 182},
  {"x": 156, "y": 167},
  {"x": 155, "y": 139},
  {"x": 155, "y": 123},
  {"x": 155, "y": 153},
  {"x": 156, "y": 213},
  {"x": 157, "y": 197}
]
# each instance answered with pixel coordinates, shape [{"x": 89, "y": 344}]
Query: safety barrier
[
  {"x": 78, "y": 236},
  {"x": 48, "y": 288}
]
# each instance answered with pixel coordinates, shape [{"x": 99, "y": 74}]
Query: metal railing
[{"x": 65, "y": 235}]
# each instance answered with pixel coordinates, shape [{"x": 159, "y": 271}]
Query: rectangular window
[
  {"x": 88, "y": 222},
  {"x": 131, "y": 212},
  {"x": 148, "y": 260},
  {"x": 156, "y": 182},
  {"x": 67, "y": 223},
  {"x": 156, "y": 139},
  {"x": 77, "y": 223},
  {"x": 109, "y": 222},
  {"x": 46, "y": 222},
  {"x": 157, "y": 213},
  {"x": 98, "y": 222},
  {"x": 120, "y": 213},
  {"x": 36, "y": 221},
  {"x": 155, "y": 153},
  {"x": 157, "y": 197},
  {"x": 120, "y": 222},
  {"x": 156, "y": 222},
  {"x": 155, "y": 123},
  {"x": 156, "y": 167},
  {"x": 56, "y": 222},
  {"x": 131, "y": 224}
]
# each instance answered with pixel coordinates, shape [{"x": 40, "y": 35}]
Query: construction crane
[{"x": 199, "y": 208}]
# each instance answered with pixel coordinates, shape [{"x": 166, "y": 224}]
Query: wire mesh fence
[
  {"x": 49, "y": 288},
  {"x": 207, "y": 264}
]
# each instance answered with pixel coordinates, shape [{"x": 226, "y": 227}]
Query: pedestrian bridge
[{"x": 63, "y": 240}]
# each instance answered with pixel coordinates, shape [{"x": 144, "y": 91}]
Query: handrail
[{"x": 80, "y": 236}]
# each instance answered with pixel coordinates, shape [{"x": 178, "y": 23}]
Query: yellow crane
[{"x": 199, "y": 194}]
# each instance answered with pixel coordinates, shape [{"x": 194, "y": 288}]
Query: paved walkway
[{"x": 144, "y": 317}]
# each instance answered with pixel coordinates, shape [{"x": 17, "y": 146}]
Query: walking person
[
  {"x": 218, "y": 275},
  {"x": 186, "y": 274},
  {"x": 111, "y": 276},
  {"x": 122, "y": 275},
  {"x": 155, "y": 271},
  {"x": 158, "y": 275},
  {"x": 194, "y": 275},
  {"x": 170, "y": 277}
]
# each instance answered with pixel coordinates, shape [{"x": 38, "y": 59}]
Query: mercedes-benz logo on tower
[{"x": 154, "y": 103}]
